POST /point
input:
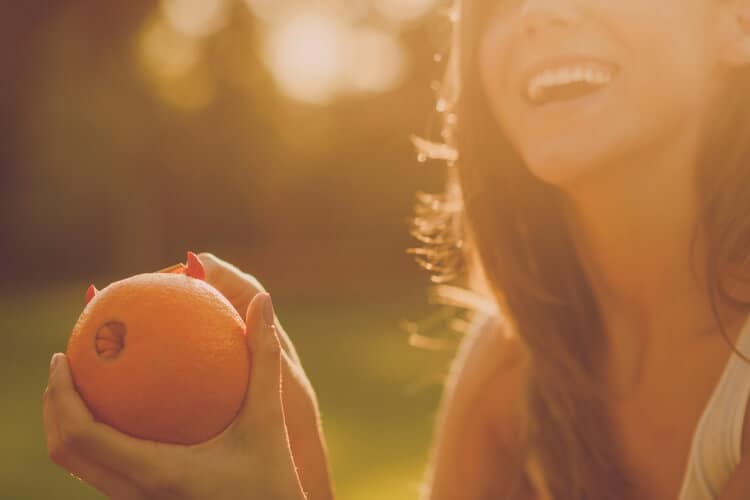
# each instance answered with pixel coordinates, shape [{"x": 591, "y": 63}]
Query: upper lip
[{"x": 540, "y": 65}]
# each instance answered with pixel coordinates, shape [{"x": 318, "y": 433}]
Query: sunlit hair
[{"x": 497, "y": 233}]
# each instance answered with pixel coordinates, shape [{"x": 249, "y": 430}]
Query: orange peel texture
[{"x": 161, "y": 356}]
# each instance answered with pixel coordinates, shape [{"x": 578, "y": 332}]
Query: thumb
[{"x": 263, "y": 405}]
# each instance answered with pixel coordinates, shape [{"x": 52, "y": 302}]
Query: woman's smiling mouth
[{"x": 565, "y": 79}]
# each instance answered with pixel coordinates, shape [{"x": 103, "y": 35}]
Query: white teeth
[{"x": 562, "y": 76}]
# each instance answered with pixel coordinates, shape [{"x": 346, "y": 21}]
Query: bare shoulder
[
  {"x": 477, "y": 426},
  {"x": 490, "y": 367}
]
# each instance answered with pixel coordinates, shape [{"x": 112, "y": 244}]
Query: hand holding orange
[
  {"x": 283, "y": 436},
  {"x": 250, "y": 458},
  {"x": 161, "y": 356}
]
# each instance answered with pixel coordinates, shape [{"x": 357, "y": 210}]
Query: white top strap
[{"x": 717, "y": 442}]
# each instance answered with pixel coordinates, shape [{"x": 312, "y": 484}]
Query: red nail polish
[
  {"x": 90, "y": 293},
  {"x": 195, "y": 267}
]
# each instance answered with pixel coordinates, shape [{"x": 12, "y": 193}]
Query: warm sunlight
[
  {"x": 196, "y": 17},
  {"x": 376, "y": 61},
  {"x": 403, "y": 10},
  {"x": 171, "y": 61},
  {"x": 314, "y": 53},
  {"x": 306, "y": 54},
  {"x": 165, "y": 52}
]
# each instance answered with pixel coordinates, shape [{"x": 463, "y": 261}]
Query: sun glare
[
  {"x": 401, "y": 11},
  {"x": 306, "y": 55},
  {"x": 314, "y": 53},
  {"x": 196, "y": 18},
  {"x": 171, "y": 61},
  {"x": 166, "y": 53},
  {"x": 272, "y": 11},
  {"x": 376, "y": 61}
]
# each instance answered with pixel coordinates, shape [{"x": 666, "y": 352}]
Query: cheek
[
  {"x": 668, "y": 43},
  {"x": 675, "y": 73}
]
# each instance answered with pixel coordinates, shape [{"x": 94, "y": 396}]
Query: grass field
[{"x": 377, "y": 394}]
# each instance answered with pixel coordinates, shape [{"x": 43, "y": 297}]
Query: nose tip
[{"x": 538, "y": 15}]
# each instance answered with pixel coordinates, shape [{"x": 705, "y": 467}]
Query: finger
[
  {"x": 233, "y": 283},
  {"x": 263, "y": 406},
  {"x": 148, "y": 465},
  {"x": 111, "y": 484},
  {"x": 286, "y": 344},
  {"x": 261, "y": 419},
  {"x": 301, "y": 417},
  {"x": 240, "y": 288},
  {"x": 101, "y": 478},
  {"x": 296, "y": 397},
  {"x": 61, "y": 395}
]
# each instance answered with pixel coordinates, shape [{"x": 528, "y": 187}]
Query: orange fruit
[{"x": 161, "y": 356}]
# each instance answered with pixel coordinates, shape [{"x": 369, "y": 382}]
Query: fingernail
[
  {"x": 268, "y": 311},
  {"x": 195, "y": 267},
  {"x": 54, "y": 362}
]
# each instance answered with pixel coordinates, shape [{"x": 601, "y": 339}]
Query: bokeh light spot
[
  {"x": 403, "y": 10},
  {"x": 172, "y": 64},
  {"x": 376, "y": 61},
  {"x": 306, "y": 55},
  {"x": 196, "y": 18},
  {"x": 166, "y": 53}
]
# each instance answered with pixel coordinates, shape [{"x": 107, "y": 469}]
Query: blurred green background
[{"x": 274, "y": 133}]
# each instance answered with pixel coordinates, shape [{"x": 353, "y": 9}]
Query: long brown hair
[{"x": 497, "y": 230}]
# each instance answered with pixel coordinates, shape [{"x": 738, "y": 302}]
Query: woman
[{"x": 599, "y": 199}]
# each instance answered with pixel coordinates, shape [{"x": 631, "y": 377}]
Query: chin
[
  {"x": 560, "y": 170},
  {"x": 571, "y": 164}
]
